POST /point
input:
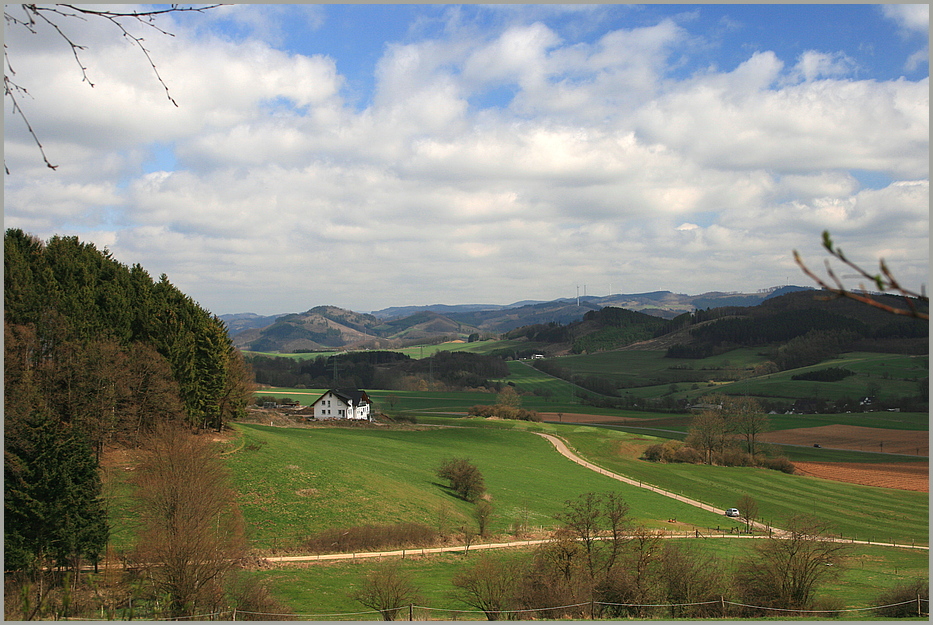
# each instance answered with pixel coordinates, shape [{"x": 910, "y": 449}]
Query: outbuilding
[{"x": 343, "y": 404}]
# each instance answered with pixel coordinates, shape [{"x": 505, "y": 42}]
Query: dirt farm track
[{"x": 902, "y": 475}]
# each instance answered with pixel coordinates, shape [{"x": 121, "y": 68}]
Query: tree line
[
  {"x": 96, "y": 354},
  {"x": 381, "y": 370}
]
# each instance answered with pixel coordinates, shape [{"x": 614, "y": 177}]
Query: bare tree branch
[
  {"x": 34, "y": 14},
  {"x": 884, "y": 281}
]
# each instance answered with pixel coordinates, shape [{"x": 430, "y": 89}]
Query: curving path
[{"x": 564, "y": 450}]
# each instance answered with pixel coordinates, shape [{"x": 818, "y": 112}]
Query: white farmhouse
[{"x": 343, "y": 404}]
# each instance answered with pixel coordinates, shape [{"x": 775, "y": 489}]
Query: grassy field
[
  {"x": 297, "y": 481},
  {"x": 417, "y": 351},
  {"x": 323, "y": 590},
  {"x": 861, "y": 512}
]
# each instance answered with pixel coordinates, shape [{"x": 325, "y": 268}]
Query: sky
[{"x": 368, "y": 156}]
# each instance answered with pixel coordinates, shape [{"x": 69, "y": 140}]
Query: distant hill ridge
[{"x": 330, "y": 327}]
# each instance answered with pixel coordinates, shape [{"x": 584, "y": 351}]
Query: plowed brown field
[
  {"x": 902, "y": 475},
  {"x": 856, "y": 438}
]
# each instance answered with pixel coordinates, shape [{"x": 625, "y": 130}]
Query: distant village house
[{"x": 343, "y": 404}]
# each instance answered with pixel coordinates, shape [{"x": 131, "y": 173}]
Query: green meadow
[{"x": 296, "y": 481}]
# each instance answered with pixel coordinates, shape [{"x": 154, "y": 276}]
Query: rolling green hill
[{"x": 297, "y": 481}]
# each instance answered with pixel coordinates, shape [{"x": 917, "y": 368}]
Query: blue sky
[{"x": 368, "y": 156}]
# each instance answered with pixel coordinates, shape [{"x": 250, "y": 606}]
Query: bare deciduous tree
[
  {"x": 489, "y": 585},
  {"x": 747, "y": 419},
  {"x": 388, "y": 589},
  {"x": 192, "y": 534},
  {"x": 482, "y": 512},
  {"x": 748, "y": 508},
  {"x": 786, "y": 570},
  {"x": 708, "y": 433}
]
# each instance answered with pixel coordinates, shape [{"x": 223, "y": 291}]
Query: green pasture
[
  {"x": 322, "y": 591},
  {"x": 297, "y": 481},
  {"x": 416, "y": 351},
  {"x": 885, "y": 376},
  {"x": 862, "y": 512},
  {"x": 477, "y": 347},
  {"x": 292, "y": 356},
  {"x": 300, "y": 480},
  {"x": 639, "y": 368}
]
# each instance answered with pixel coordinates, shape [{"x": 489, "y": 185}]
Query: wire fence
[{"x": 588, "y": 609}]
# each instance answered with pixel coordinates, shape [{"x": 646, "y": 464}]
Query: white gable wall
[{"x": 329, "y": 406}]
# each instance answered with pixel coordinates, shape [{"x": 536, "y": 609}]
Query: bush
[
  {"x": 781, "y": 463},
  {"x": 688, "y": 455},
  {"x": 465, "y": 479},
  {"x": 387, "y": 588},
  {"x": 372, "y": 538},
  {"x": 733, "y": 457},
  {"x": 653, "y": 453},
  {"x": 502, "y": 411},
  {"x": 901, "y": 601}
]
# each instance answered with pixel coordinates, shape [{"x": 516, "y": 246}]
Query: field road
[
  {"x": 418, "y": 551},
  {"x": 565, "y": 451}
]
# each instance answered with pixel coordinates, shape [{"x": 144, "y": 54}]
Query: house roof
[{"x": 349, "y": 395}]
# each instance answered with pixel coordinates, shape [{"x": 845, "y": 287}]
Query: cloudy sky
[{"x": 379, "y": 155}]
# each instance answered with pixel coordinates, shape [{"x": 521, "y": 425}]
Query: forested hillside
[
  {"x": 599, "y": 330},
  {"x": 95, "y": 353},
  {"x": 380, "y": 370},
  {"x": 802, "y": 328}
]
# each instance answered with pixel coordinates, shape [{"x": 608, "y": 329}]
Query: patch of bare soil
[
  {"x": 902, "y": 475},
  {"x": 856, "y": 438}
]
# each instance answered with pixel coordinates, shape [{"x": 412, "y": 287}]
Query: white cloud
[
  {"x": 603, "y": 168},
  {"x": 813, "y": 65},
  {"x": 911, "y": 17}
]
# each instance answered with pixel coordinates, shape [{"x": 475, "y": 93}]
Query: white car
[{"x": 732, "y": 512}]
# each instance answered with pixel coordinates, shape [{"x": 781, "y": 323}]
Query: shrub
[
  {"x": 465, "y": 479},
  {"x": 653, "y": 453},
  {"x": 669, "y": 449},
  {"x": 688, "y": 455},
  {"x": 781, "y": 463},
  {"x": 901, "y": 601},
  {"x": 503, "y": 411},
  {"x": 372, "y": 538},
  {"x": 733, "y": 457}
]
